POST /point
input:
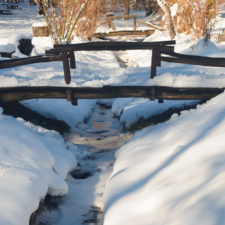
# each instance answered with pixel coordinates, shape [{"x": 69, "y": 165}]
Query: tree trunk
[
  {"x": 169, "y": 21},
  {"x": 127, "y": 7}
]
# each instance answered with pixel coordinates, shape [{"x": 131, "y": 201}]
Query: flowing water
[{"x": 97, "y": 140}]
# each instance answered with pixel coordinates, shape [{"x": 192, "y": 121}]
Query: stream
[{"x": 97, "y": 140}]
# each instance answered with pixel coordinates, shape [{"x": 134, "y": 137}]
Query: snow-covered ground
[
  {"x": 168, "y": 174},
  {"x": 33, "y": 162},
  {"x": 172, "y": 173}
]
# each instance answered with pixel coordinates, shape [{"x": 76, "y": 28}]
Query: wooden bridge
[{"x": 161, "y": 51}]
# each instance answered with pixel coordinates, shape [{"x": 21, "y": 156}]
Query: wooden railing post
[
  {"x": 111, "y": 24},
  {"x": 72, "y": 60},
  {"x": 158, "y": 58},
  {"x": 154, "y": 63},
  {"x": 66, "y": 67}
]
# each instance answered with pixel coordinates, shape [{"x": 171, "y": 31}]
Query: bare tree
[
  {"x": 195, "y": 17},
  {"x": 165, "y": 7},
  {"x": 127, "y": 7}
]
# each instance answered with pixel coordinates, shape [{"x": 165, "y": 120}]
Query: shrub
[{"x": 66, "y": 18}]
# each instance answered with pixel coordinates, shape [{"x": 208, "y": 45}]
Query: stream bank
[{"x": 97, "y": 141}]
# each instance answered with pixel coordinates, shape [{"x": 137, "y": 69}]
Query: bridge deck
[{"x": 161, "y": 93}]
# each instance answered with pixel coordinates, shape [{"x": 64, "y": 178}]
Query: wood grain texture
[{"x": 152, "y": 92}]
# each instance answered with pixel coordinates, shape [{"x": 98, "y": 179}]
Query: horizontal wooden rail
[
  {"x": 122, "y": 17},
  {"x": 158, "y": 56},
  {"x": 67, "y": 50},
  {"x": 29, "y": 60},
  {"x": 123, "y": 33},
  {"x": 11, "y": 94},
  {"x": 112, "y": 46},
  {"x": 193, "y": 60}
]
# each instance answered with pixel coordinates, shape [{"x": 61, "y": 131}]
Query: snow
[
  {"x": 33, "y": 162},
  {"x": 61, "y": 109},
  {"x": 174, "y": 9},
  {"x": 130, "y": 110},
  {"x": 108, "y": 71},
  {"x": 172, "y": 172},
  {"x": 39, "y": 24},
  {"x": 6, "y": 47}
]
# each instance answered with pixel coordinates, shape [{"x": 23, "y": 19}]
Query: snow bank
[
  {"x": 61, "y": 109},
  {"x": 172, "y": 173},
  {"x": 5, "y": 46},
  {"x": 130, "y": 110},
  {"x": 33, "y": 162}
]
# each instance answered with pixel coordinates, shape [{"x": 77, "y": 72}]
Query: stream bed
[{"x": 96, "y": 142}]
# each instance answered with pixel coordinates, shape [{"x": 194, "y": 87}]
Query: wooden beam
[
  {"x": 29, "y": 60},
  {"x": 112, "y": 46},
  {"x": 199, "y": 62},
  {"x": 195, "y": 57},
  {"x": 124, "y": 33},
  {"x": 122, "y": 17},
  {"x": 152, "y": 92},
  {"x": 66, "y": 67},
  {"x": 154, "y": 63},
  {"x": 192, "y": 59},
  {"x": 72, "y": 60}
]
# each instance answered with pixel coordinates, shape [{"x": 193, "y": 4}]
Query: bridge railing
[
  {"x": 67, "y": 52},
  {"x": 173, "y": 57},
  {"x": 28, "y": 60},
  {"x": 161, "y": 52}
]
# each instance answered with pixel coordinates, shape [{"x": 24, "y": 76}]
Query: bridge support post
[
  {"x": 66, "y": 67},
  {"x": 160, "y": 100},
  {"x": 152, "y": 94},
  {"x": 70, "y": 97}
]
